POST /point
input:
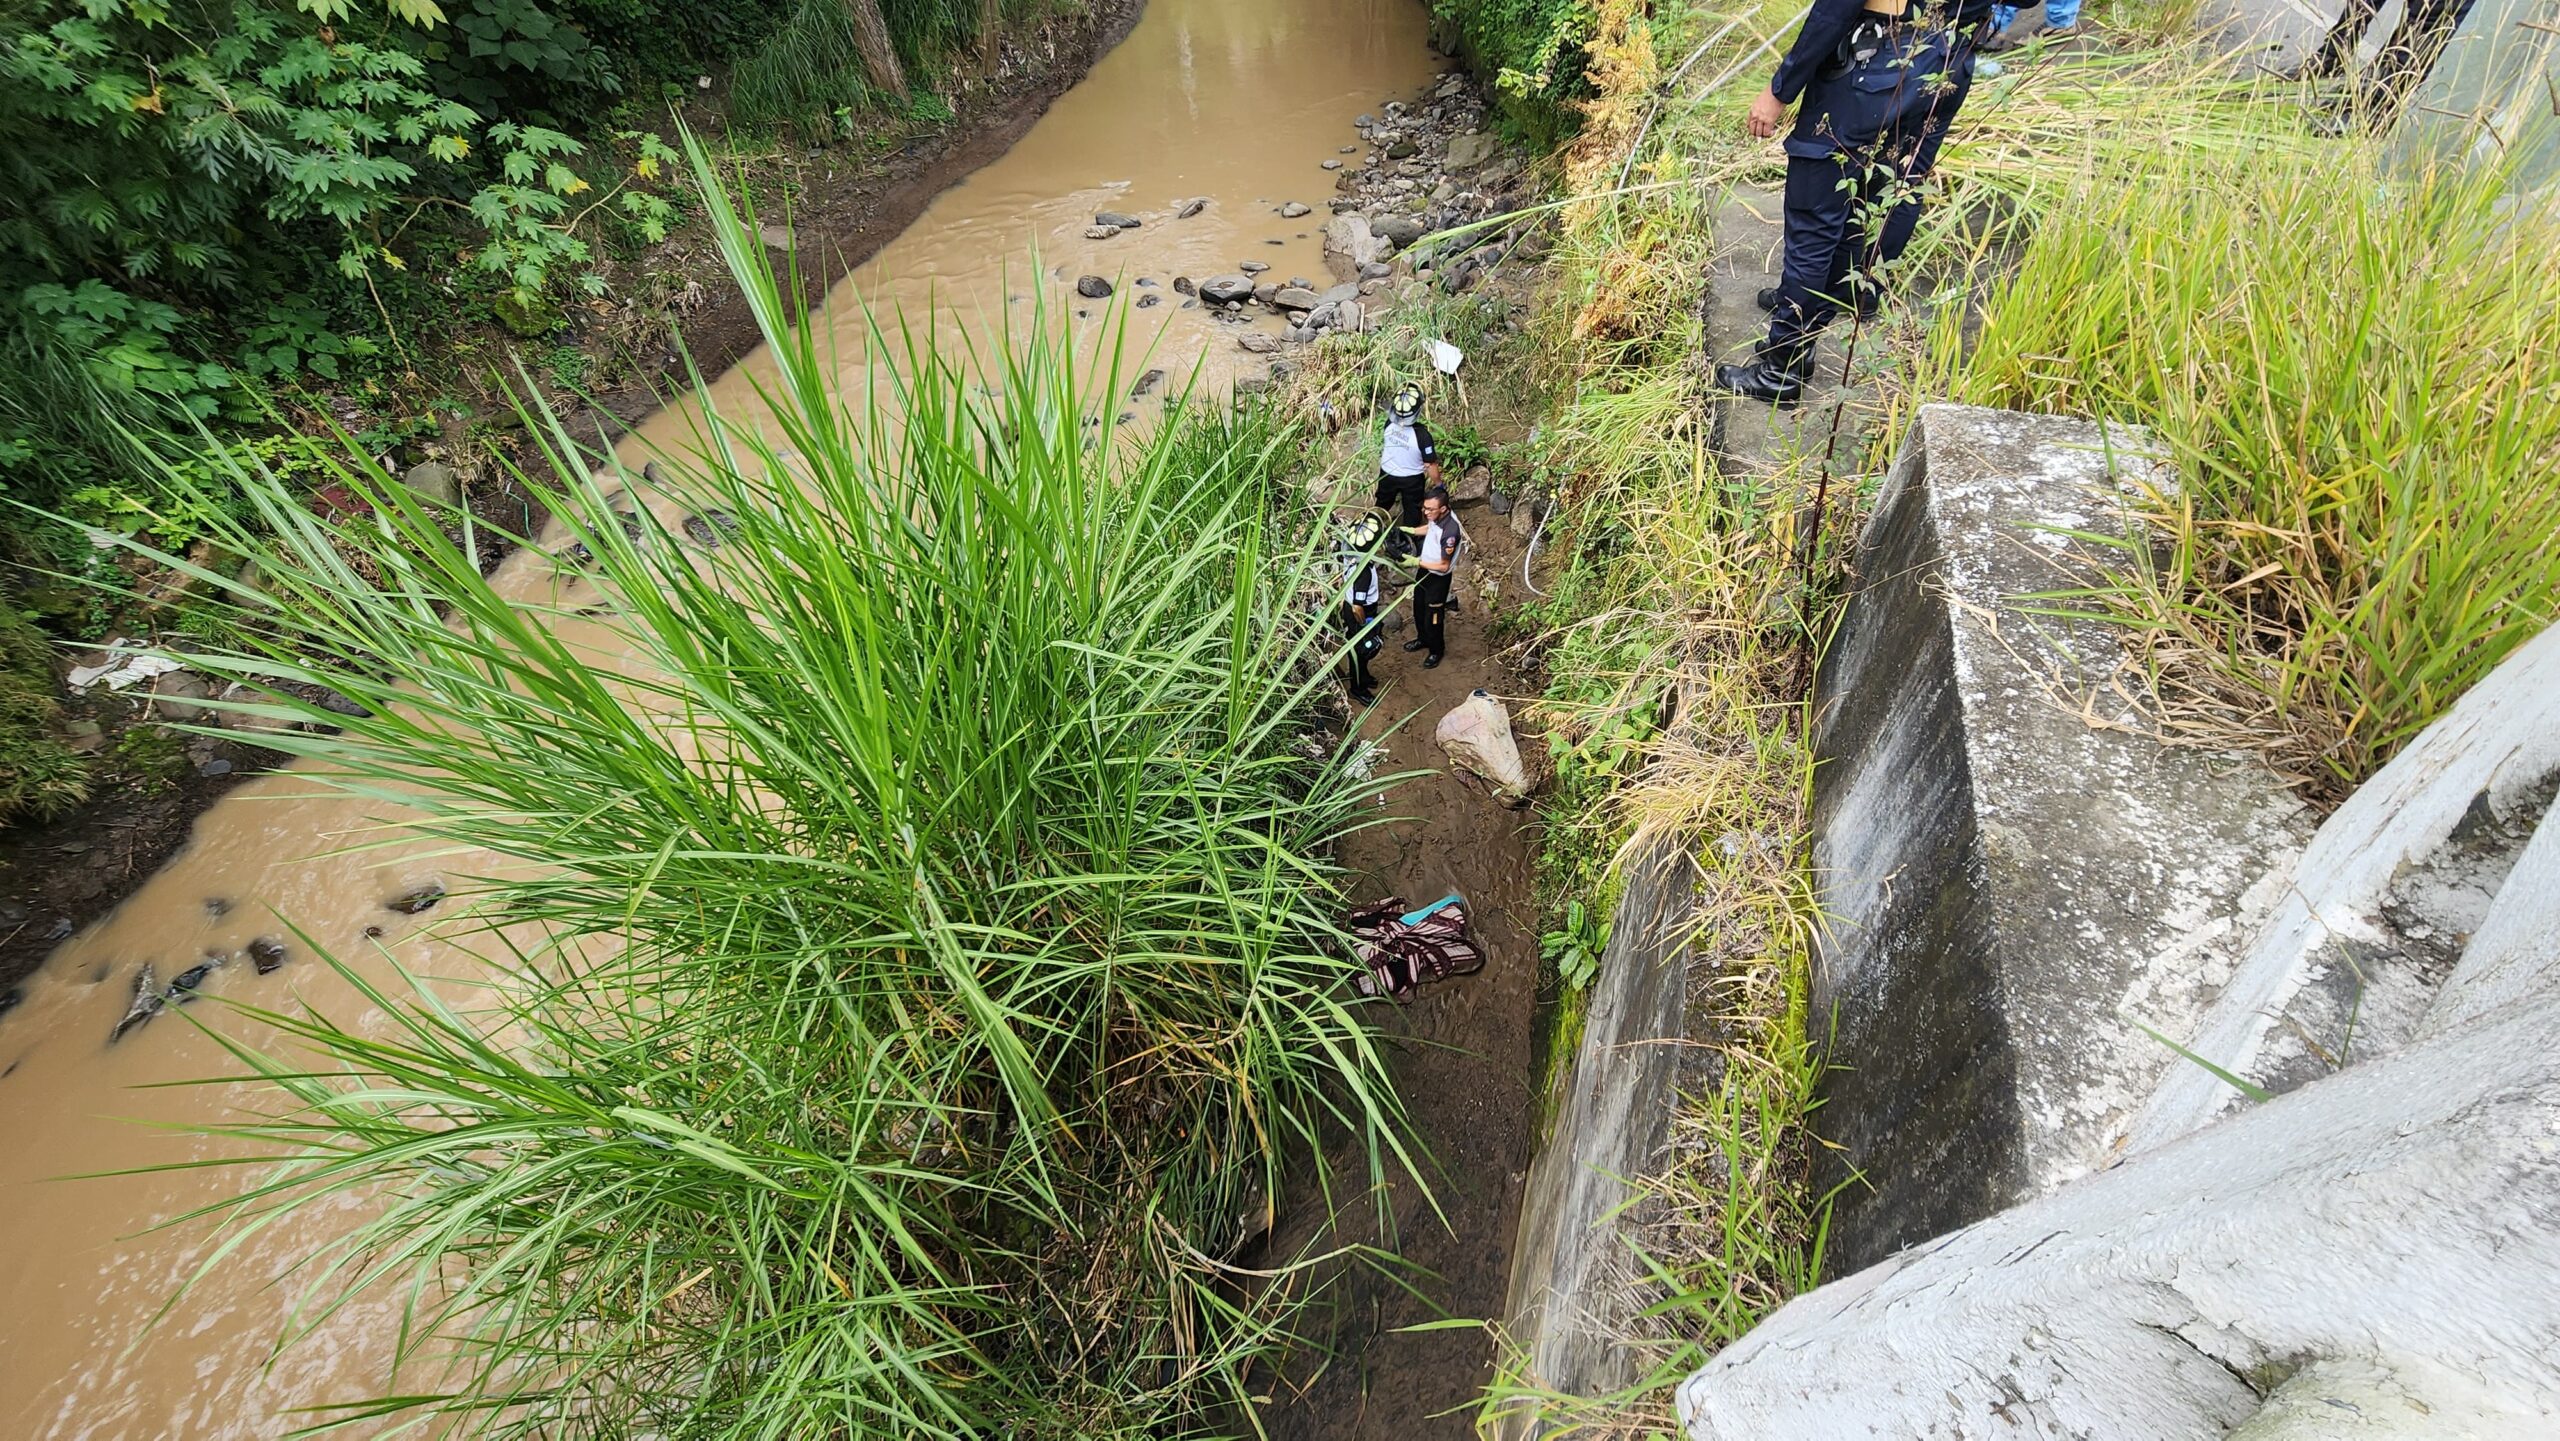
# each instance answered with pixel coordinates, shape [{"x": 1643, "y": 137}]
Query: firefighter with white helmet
[
  {"x": 1356, "y": 547},
  {"x": 1408, "y": 458}
]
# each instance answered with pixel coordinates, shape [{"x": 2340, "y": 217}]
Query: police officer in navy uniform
[{"x": 1879, "y": 81}]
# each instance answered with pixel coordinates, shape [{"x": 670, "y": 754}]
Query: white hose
[{"x": 1535, "y": 532}]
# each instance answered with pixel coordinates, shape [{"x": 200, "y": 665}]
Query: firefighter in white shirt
[{"x": 1408, "y": 459}]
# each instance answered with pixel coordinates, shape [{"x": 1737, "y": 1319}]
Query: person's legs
[
  {"x": 2061, "y": 14},
  {"x": 1904, "y": 174},
  {"x": 1813, "y": 275},
  {"x": 1431, "y": 613},
  {"x": 1363, "y": 645}
]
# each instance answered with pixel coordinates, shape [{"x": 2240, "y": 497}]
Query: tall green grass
[
  {"x": 2356, "y": 372},
  {"x": 934, "y": 985}
]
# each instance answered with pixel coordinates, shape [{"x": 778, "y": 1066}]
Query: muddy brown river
[{"x": 1240, "y": 101}]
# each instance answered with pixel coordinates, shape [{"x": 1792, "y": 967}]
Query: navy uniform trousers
[{"x": 1866, "y": 136}]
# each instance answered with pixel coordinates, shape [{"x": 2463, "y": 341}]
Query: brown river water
[{"x": 1239, "y": 101}]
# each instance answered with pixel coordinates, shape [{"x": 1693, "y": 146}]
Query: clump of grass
[
  {"x": 917, "y": 976},
  {"x": 2355, "y": 371}
]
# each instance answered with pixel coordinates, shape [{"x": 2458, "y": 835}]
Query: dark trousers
[
  {"x": 1431, "y": 611},
  {"x": 2413, "y": 50},
  {"x": 1365, "y": 644},
  {"x": 1864, "y": 141},
  {"x": 1403, "y": 494}
]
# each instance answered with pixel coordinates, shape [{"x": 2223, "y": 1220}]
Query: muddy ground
[
  {"x": 150, "y": 785},
  {"x": 1463, "y": 1060}
]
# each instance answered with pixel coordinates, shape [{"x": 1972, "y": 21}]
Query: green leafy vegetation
[
  {"x": 225, "y": 211},
  {"x": 918, "y": 975}
]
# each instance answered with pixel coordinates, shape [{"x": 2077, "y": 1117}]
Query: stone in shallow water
[
  {"x": 411, "y": 902},
  {"x": 267, "y": 953},
  {"x": 147, "y": 1002},
  {"x": 1092, "y": 287},
  {"x": 191, "y": 980}
]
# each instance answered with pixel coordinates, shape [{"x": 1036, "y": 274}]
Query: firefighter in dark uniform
[
  {"x": 1357, "y": 609},
  {"x": 1879, "y": 81}
]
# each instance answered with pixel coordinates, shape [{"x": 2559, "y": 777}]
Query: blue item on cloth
[{"x": 1415, "y": 918}]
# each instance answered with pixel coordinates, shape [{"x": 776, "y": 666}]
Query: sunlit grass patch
[{"x": 2356, "y": 372}]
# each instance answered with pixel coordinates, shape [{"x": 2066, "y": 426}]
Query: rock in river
[
  {"x": 1293, "y": 210},
  {"x": 1226, "y": 289},
  {"x": 1254, "y": 342},
  {"x": 1296, "y": 297},
  {"x": 1115, "y": 220},
  {"x": 191, "y": 980},
  {"x": 147, "y": 1002},
  {"x": 1092, "y": 287},
  {"x": 410, "y": 903},
  {"x": 1192, "y": 207},
  {"x": 267, "y": 953}
]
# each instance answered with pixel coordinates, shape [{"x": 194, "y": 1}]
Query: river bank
[
  {"x": 272, "y": 862},
  {"x": 150, "y": 782}
]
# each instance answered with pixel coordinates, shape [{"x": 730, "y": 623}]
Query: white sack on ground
[{"x": 1477, "y": 735}]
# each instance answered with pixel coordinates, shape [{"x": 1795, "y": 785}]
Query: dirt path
[{"x": 1464, "y": 1063}]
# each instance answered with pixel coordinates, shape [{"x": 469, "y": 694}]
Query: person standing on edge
[
  {"x": 1879, "y": 87},
  {"x": 1358, "y": 612},
  {"x": 1438, "y": 538},
  {"x": 1408, "y": 459}
]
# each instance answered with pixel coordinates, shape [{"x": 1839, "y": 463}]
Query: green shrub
[{"x": 962, "y": 983}]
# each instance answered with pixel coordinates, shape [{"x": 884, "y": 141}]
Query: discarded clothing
[{"x": 1402, "y": 952}]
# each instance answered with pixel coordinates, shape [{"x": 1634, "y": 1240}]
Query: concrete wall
[
  {"x": 2016, "y": 880},
  {"x": 1573, "y": 1289},
  {"x": 2369, "y": 1254}
]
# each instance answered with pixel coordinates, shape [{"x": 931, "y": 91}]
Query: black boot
[{"x": 1761, "y": 378}]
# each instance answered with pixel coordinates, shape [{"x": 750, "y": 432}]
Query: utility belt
[{"x": 1893, "y": 37}]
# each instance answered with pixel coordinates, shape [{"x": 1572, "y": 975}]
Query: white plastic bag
[{"x": 1477, "y": 735}]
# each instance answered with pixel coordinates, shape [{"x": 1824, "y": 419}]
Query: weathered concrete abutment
[{"x": 2015, "y": 879}]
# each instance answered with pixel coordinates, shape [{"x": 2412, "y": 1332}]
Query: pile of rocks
[
  {"x": 1240, "y": 295},
  {"x": 1431, "y": 165},
  {"x": 1425, "y": 164}
]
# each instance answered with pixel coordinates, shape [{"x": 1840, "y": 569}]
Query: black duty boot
[{"x": 1761, "y": 378}]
